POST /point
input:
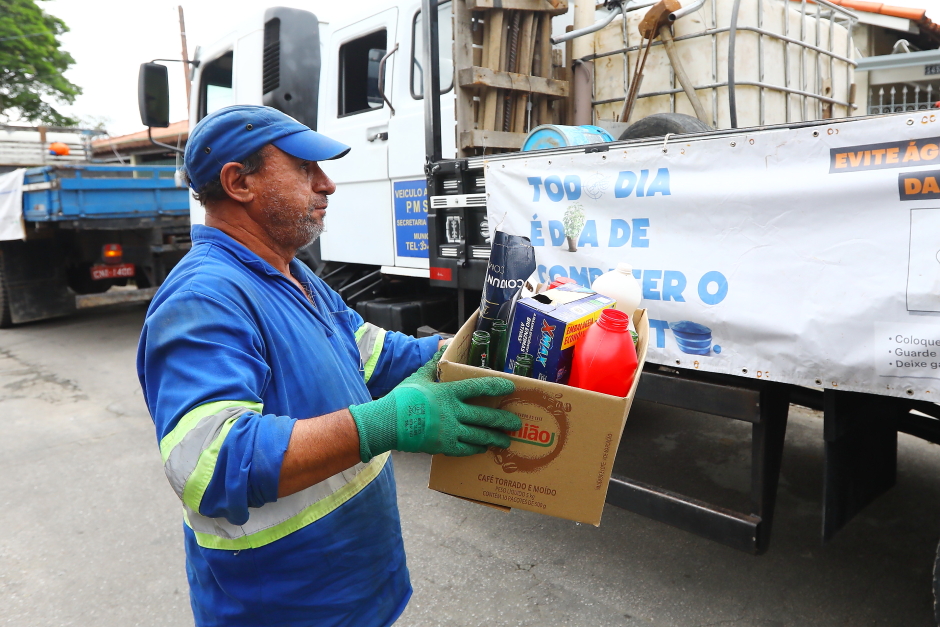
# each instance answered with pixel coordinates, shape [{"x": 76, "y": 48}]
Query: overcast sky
[{"x": 111, "y": 38}]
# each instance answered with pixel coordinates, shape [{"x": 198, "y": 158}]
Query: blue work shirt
[{"x": 232, "y": 353}]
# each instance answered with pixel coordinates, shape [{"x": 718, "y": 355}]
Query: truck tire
[
  {"x": 658, "y": 124},
  {"x": 141, "y": 279},
  {"x": 6, "y": 321}
]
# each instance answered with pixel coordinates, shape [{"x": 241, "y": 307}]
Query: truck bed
[{"x": 69, "y": 192}]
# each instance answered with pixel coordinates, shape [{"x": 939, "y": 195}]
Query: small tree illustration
[{"x": 574, "y": 222}]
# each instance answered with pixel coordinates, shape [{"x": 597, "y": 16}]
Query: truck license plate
[{"x": 124, "y": 270}]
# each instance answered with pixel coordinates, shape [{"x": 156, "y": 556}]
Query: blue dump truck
[{"x": 88, "y": 228}]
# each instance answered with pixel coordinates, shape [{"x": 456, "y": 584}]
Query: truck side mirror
[{"x": 153, "y": 95}]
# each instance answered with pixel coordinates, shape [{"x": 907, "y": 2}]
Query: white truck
[
  {"x": 328, "y": 76},
  {"x": 786, "y": 263},
  {"x": 361, "y": 81}
]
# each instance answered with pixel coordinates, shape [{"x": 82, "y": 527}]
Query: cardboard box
[
  {"x": 559, "y": 463},
  {"x": 548, "y": 325}
]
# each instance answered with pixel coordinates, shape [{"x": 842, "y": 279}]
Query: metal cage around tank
[{"x": 813, "y": 39}]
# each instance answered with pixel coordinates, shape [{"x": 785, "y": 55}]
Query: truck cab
[{"x": 360, "y": 81}]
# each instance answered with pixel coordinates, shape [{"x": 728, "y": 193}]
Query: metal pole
[
  {"x": 803, "y": 59},
  {"x": 582, "y": 87},
  {"x": 672, "y": 77},
  {"x": 186, "y": 68},
  {"x": 819, "y": 106},
  {"x": 732, "y": 104},
  {"x": 760, "y": 57},
  {"x": 832, "y": 66},
  {"x": 786, "y": 60},
  {"x": 849, "y": 45},
  {"x": 714, "y": 64},
  {"x": 626, "y": 55},
  {"x": 432, "y": 82}
]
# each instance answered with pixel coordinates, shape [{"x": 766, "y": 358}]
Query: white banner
[
  {"x": 808, "y": 256},
  {"x": 11, "y": 206}
]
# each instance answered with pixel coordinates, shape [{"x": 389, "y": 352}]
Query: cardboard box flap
[{"x": 548, "y": 301}]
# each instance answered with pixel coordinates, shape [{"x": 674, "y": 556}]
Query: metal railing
[
  {"x": 898, "y": 101},
  {"x": 29, "y": 145}
]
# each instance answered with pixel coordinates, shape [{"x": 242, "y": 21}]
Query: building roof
[
  {"x": 175, "y": 134},
  {"x": 915, "y": 15}
]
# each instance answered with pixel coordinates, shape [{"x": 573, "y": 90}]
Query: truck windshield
[{"x": 216, "y": 85}]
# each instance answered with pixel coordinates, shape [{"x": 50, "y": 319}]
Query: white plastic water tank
[{"x": 758, "y": 58}]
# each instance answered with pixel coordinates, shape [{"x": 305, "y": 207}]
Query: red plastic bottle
[{"x": 604, "y": 359}]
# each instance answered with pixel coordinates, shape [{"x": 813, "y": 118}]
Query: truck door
[
  {"x": 353, "y": 111},
  {"x": 406, "y": 132}
]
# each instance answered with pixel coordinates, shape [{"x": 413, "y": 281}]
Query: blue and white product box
[{"x": 548, "y": 325}]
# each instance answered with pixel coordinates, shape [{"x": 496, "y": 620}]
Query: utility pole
[{"x": 186, "y": 68}]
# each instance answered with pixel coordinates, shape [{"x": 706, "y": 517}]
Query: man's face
[{"x": 292, "y": 195}]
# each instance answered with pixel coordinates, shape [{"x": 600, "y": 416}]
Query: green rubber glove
[{"x": 423, "y": 416}]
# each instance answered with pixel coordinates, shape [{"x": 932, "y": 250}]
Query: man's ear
[{"x": 235, "y": 183}]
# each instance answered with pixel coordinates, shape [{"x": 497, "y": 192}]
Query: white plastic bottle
[{"x": 620, "y": 285}]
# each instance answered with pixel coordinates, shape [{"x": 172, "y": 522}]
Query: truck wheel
[
  {"x": 6, "y": 320},
  {"x": 140, "y": 277},
  {"x": 659, "y": 124}
]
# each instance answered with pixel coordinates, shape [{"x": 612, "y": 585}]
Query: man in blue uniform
[{"x": 260, "y": 382}]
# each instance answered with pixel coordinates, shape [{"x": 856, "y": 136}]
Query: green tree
[{"x": 32, "y": 65}]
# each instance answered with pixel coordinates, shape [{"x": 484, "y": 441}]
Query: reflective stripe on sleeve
[
  {"x": 277, "y": 519},
  {"x": 191, "y": 450},
  {"x": 192, "y": 418},
  {"x": 370, "y": 339}
]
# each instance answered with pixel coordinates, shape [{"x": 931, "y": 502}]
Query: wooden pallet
[{"x": 505, "y": 75}]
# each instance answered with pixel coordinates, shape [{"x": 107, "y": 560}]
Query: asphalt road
[{"x": 92, "y": 532}]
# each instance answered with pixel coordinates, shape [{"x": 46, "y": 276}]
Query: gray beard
[
  {"x": 315, "y": 230},
  {"x": 297, "y": 233}
]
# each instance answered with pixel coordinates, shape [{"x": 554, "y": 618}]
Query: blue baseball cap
[{"x": 234, "y": 133}]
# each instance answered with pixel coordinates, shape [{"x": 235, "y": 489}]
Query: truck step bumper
[
  {"x": 114, "y": 297},
  {"x": 765, "y": 406},
  {"x": 735, "y": 529}
]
